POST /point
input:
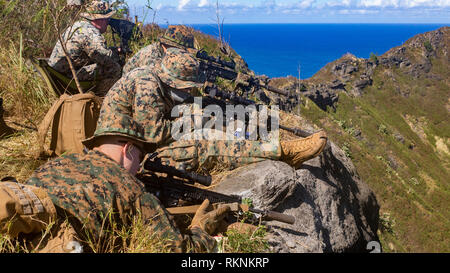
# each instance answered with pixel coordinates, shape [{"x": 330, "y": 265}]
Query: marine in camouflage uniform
[
  {"x": 148, "y": 92},
  {"x": 87, "y": 49},
  {"x": 89, "y": 190},
  {"x": 175, "y": 36}
]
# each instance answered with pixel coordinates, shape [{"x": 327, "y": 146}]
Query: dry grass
[
  {"x": 25, "y": 95},
  {"x": 26, "y": 100}
]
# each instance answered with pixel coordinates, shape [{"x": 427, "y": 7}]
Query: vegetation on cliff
[{"x": 391, "y": 116}]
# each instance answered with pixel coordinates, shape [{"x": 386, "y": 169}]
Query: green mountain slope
[{"x": 391, "y": 114}]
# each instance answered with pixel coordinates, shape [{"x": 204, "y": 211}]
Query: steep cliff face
[
  {"x": 390, "y": 115},
  {"x": 352, "y": 75}
]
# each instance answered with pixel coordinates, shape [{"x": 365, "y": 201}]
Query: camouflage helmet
[
  {"x": 178, "y": 36},
  {"x": 179, "y": 69},
  {"x": 98, "y": 9},
  {"x": 119, "y": 124}
]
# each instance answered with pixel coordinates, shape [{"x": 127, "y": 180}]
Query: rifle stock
[
  {"x": 235, "y": 207},
  {"x": 167, "y": 189}
]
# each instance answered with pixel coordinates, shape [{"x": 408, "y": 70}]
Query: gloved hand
[{"x": 208, "y": 221}]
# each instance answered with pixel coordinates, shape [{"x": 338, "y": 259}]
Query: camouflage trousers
[
  {"x": 106, "y": 77},
  {"x": 207, "y": 155},
  {"x": 28, "y": 211}
]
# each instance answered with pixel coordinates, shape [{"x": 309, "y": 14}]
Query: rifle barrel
[
  {"x": 153, "y": 166},
  {"x": 276, "y": 90}
]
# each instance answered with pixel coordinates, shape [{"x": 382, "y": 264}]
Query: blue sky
[{"x": 293, "y": 11}]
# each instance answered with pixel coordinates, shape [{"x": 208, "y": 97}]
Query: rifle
[
  {"x": 213, "y": 93},
  {"x": 171, "y": 190},
  {"x": 211, "y": 68},
  {"x": 154, "y": 164},
  {"x": 201, "y": 54},
  {"x": 125, "y": 29}
]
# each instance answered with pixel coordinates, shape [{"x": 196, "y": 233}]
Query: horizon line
[{"x": 314, "y": 23}]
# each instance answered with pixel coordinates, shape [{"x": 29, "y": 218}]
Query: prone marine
[
  {"x": 150, "y": 92},
  {"x": 73, "y": 198}
]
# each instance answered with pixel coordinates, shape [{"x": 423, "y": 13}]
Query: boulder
[{"x": 335, "y": 211}]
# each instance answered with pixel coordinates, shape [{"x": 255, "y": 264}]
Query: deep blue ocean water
[{"x": 277, "y": 50}]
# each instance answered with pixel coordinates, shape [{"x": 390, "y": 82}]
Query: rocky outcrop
[
  {"x": 335, "y": 211},
  {"x": 324, "y": 94},
  {"x": 353, "y": 75}
]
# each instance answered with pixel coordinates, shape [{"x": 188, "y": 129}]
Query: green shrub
[
  {"x": 428, "y": 46},
  {"x": 373, "y": 58},
  {"x": 239, "y": 242}
]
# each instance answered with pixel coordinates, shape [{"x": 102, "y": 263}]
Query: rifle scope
[{"x": 155, "y": 166}]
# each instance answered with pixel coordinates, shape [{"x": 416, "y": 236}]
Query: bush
[
  {"x": 373, "y": 58},
  {"x": 241, "y": 242},
  {"x": 428, "y": 46},
  {"x": 30, "y": 19}
]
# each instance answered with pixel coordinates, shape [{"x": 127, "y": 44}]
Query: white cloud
[
  {"x": 203, "y": 3},
  {"x": 404, "y": 3},
  {"x": 306, "y": 4},
  {"x": 182, "y": 4},
  {"x": 255, "y": 9}
]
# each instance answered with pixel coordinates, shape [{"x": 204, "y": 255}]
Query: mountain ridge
[{"x": 389, "y": 114}]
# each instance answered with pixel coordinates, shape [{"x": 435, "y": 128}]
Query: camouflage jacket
[
  {"x": 139, "y": 90},
  {"x": 86, "y": 46},
  {"x": 93, "y": 188},
  {"x": 147, "y": 56}
]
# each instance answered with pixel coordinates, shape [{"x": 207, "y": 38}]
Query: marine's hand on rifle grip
[{"x": 208, "y": 221}]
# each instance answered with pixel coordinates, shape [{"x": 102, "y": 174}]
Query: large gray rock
[{"x": 335, "y": 211}]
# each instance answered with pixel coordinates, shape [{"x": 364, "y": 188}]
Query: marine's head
[
  {"x": 98, "y": 13},
  {"x": 179, "y": 70},
  {"x": 121, "y": 138}
]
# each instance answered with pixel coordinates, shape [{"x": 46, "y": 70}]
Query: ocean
[{"x": 279, "y": 50}]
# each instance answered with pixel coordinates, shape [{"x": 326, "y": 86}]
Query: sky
[{"x": 292, "y": 11}]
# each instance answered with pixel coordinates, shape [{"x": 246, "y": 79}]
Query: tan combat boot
[{"x": 295, "y": 152}]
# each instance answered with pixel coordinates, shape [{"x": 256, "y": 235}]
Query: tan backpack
[{"x": 73, "y": 119}]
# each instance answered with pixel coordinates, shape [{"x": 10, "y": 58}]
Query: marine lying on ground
[
  {"x": 79, "y": 193},
  {"x": 149, "y": 92}
]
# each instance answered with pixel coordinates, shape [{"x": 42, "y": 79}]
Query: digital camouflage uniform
[
  {"x": 151, "y": 55},
  {"x": 91, "y": 186},
  {"x": 140, "y": 91},
  {"x": 148, "y": 56},
  {"x": 90, "y": 189},
  {"x": 90, "y": 57}
]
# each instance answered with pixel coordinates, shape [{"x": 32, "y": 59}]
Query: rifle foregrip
[
  {"x": 202, "y": 179},
  {"x": 273, "y": 215}
]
